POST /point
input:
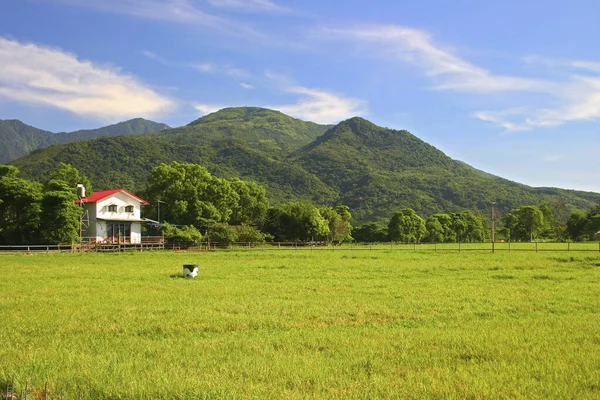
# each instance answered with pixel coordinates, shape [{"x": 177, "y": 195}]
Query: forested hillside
[
  {"x": 374, "y": 170},
  {"x": 266, "y": 130},
  {"x": 18, "y": 139}
]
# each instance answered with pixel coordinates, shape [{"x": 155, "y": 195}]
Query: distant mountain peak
[
  {"x": 18, "y": 139},
  {"x": 242, "y": 114}
]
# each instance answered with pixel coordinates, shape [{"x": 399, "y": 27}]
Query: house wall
[
  {"x": 121, "y": 200},
  {"x": 99, "y": 215},
  {"x": 136, "y": 232}
]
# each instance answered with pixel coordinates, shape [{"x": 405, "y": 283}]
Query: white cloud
[
  {"x": 33, "y": 74},
  {"x": 448, "y": 71},
  {"x": 317, "y": 105},
  {"x": 246, "y": 85},
  {"x": 577, "y": 96},
  {"x": 251, "y": 5}
]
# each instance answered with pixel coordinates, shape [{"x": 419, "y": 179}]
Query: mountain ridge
[
  {"x": 374, "y": 170},
  {"x": 18, "y": 139}
]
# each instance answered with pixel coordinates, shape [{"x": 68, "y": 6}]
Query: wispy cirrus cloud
[
  {"x": 202, "y": 67},
  {"x": 267, "y": 6},
  {"x": 577, "y": 95},
  {"x": 224, "y": 69},
  {"x": 176, "y": 11},
  {"x": 38, "y": 75},
  {"x": 313, "y": 104}
]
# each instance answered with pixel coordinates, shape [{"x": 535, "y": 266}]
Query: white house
[{"x": 114, "y": 216}]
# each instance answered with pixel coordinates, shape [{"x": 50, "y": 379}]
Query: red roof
[{"x": 97, "y": 196}]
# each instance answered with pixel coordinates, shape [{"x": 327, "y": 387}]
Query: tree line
[{"x": 196, "y": 205}]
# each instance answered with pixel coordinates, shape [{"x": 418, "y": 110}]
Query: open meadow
[{"x": 303, "y": 324}]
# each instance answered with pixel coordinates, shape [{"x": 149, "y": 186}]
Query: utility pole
[
  {"x": 493, "y": 223},
  {"x": 158, "y": 216}
]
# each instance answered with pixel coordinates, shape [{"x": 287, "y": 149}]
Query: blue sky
[{"x": 510, "y": 87}]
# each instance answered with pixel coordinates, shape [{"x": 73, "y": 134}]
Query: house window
[
  {"x": 128, "y": 209},
  {"x": 112, "y": 208}
]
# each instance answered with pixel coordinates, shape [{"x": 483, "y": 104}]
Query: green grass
[{"x": 287, "y": 324}]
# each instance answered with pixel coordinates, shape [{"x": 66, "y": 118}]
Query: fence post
[
  {"x": 278, "y": 245},
  {"x": 493, "y": 247},
  {"x": 536, "y": 250}
]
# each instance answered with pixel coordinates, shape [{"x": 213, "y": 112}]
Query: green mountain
[
  {"x": 265, "y": 130},
  {"x": 18, "y": 139},
  {"x": 374, "y": 170}
]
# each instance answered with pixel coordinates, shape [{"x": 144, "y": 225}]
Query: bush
[{"x": 183, "y": 234}]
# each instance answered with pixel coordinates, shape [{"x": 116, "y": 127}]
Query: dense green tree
[
  {"x": 297, "y": 221},
  {"x": 524, "y": 223},
  {"x": 273, "y": 224},
  {"x": 338, "y": 221},
  {"x": 247, "y": 233},
  {"x": 191, "y": 195},
  {"x": 67, "y": 177},
  {"x": 370, "y": 232},
  {"x": 406, "y": 226},
  {"x": 252, "y": 205},
  {"x": 187, "y": 234},
  {"x": 20, "y": 208},
  {"x": 469, "y": 226},
  {"x": 576, "y": 226},
  {"x": 222, "y": 233},
  {"x": 439, "y": 229},
  {"x": 60, "y": 216},
  {"x": 303, "y": 222}
]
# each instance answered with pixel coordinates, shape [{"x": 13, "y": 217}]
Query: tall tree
[
  {"x": 370, "y": 232},
  {"x": 298, "y": 221},
  {"x": 19, "y": 208},
  {"x": 576, "y": 226},
  {"x": 252, "y": 205},
  {"x": 338, "y": 221},
  {"x": 60, "y": 217},
  {"x": 406, "y": 226},
  {"x": 439, "y": 228},
  {"x": 191, "y": 195}
]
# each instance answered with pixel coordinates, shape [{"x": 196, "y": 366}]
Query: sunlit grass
[{"x": 297, "y": 324}]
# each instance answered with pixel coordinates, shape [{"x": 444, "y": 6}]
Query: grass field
[{"x": 338, "y": 324}]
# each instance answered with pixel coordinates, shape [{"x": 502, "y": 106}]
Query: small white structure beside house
[{"x": 114, "y": 216}]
